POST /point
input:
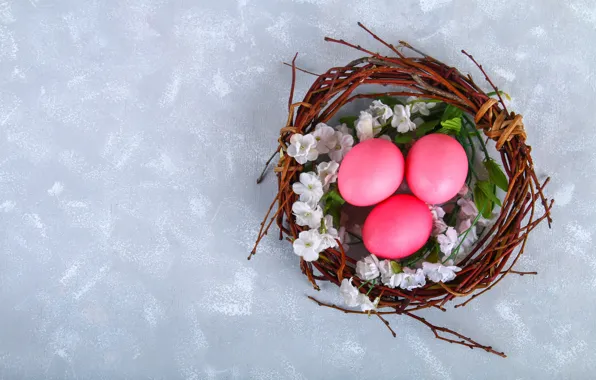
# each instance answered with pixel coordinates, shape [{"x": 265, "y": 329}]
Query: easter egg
[
  {"x": 370, "y": 172},
  {"x": 397, "y": 227},
  {"x": 436, "y": 168}
]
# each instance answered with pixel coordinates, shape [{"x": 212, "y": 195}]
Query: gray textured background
[{"x": 131, "y": 133}]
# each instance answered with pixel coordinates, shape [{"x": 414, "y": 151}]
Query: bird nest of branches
[{"x": 408, "y": 73}]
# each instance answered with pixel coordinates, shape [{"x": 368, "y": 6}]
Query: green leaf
[
  {"x": 451, "y": 126},
  {"x": 489, "y": 190},
  {"x": 451, "y": 120},
  {"x": 333, "y": 201},
  {"x": 496, "y": 175},
  {"x": 389, "y": 101},
  {"x": 403, "y": 139},
  {"x": 396, "y": 267},
  {"x": 348, "y": 120},
  {"x": 433, "y": 257},
  {"x": 451, "y": 112},
  {"x": 426, "y": 127},
  {"x": 483, "y": 204}
]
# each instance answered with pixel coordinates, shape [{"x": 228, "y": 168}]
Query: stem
[
  {"x": 262, "y": 176},
  {"x": 465, "y": 234}
]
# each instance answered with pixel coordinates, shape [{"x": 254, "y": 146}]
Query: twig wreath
[{"x": 309, "y": 206}]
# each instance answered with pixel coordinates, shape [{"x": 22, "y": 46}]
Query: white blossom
[
  {"x": 367, "y": 126},
  {"x": 418, "y": 121},
  {"x": 447, "y": 240},
  {"x": 437, "y": 272},
  {"x": 349, "y": 293},
  {"x": 469, "y": 235},
  {"x": 308, "y": 245},
  {"x": 385, "y": 137},
  {"x": 343, "y": 146},
  {"x": 344, "y": 238},
  {"x": 326, "y": 138},
  {"x": 343, "y": 128},
  {"x": 412, "y": 279},
  {"x": 394, "y": 281},
  {"x": 306, "y": 215},
  {"x": 309, "y": 188},
  {"x": 327, "y": 173},
  {"x": 439, "y": 225},
  {"x": 420, "y": 107},
  {"x": 366, "y": 304},
  {"x": 467, "y": 208},
  {"x": 386, "y": 271},
  {"x": 380, "y": 111},
  {"x": 367, "y": 268},
  {"x": 401, "y": 119},
  {"x": 328, "y": 233},
  {"x": 303, "y": 148}
]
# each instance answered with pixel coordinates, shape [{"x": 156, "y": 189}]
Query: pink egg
[
  {"x": 397, "y": 227},
  {"x": 370, "y": 172},
  {"x": 436, "y": 168}
]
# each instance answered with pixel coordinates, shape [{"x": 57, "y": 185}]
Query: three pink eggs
[{"x": 436, "y": 168}]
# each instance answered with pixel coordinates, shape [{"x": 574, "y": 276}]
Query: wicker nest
[{"x": 495, "y": 254}]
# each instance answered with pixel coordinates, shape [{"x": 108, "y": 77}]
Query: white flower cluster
[
  {"x": 353, "y": 298},
  {"x": 324, "y": 140},
  {"x": 371, "y": 121},
  {"x": 464, "y": 234},
  {"x": 370, "y": 269},
  {"x": 312, "y": 186}
]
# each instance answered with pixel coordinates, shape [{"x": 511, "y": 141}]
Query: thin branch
[{"x": 262, "y": 176}]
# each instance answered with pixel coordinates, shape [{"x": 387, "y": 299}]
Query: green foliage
[
  {"x": 348, "y": 120},
  {"x": 433, "y": 257},
  {"x": 496, "y": 175},
  {"x": 403, "y": 138},
  {"x": 482, "y": 203},
  {"x": 489, "y": 190},
  {"x": 333, "y": 202},
  {"x": 396, "y": 267},
  {"x": 451, "y": 120},
  {"x": 426, "y": 127}
]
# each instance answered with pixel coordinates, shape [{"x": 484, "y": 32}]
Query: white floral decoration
[
  {"x": 306, "y": 215},
  {"x": 344, "y": 238},
  {"x": 420, "y": 107},
  {"x": 367, "y": 268},
  {"x": 307, "y": 245},
  {"x": 437, "y": 272},
  {"x": 394, "y": 281},
  {"x": 367, "y": 126},
  {"x": 349, "y": 293},
  {"x": 344, "y": 129},
  {"x": 303, "y": 148},
  {"x": 327, "y": 172},
  {"x": 328, "y": 233},
  {"x": 366, "y": 304},
  {"x": 447, "y": 240},
  {"x": 412, "y": 279},
  {"x": 386, "y": 271},
  {"x": 343, "y": 146},
  {"x": 326, "y": 138},
  {"x": 467, "y": 208},
  {"x": 309, "y": 188},
  {"x": 401, "y": 119},
  {"x": 385, "y": 137},
  {"x": 439, "y": 225},
  {"x": 380, "y": 111}
]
